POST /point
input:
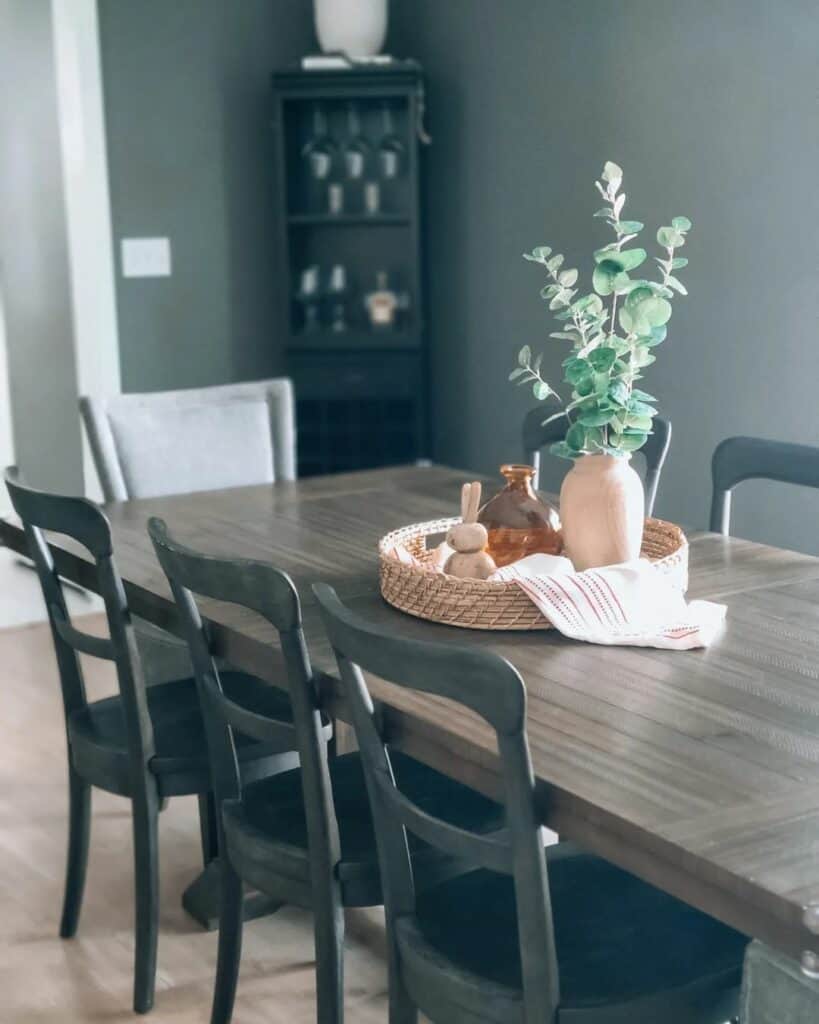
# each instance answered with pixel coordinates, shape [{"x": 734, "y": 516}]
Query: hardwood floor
[{"x": 45, "y": 980}]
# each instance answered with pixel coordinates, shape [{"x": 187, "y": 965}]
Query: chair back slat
[
  {"x": 264, "y": 728},
  {"x": 490, "y": 686},
  {"x": 537, "y": 436},
  {"x": 81, "y": 520},
  {"x": 270, "y": 593},
  {"x": 85, "y": 643},
  {"x": 488, "y": 851},
  {"x": 748, "y": 458}
]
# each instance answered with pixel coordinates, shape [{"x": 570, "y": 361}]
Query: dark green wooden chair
[
  {"x": 305, "y": 837},
  {"x": 144, "y": 743},
  {"x": 752, "y": 458},
  {"x": 534, "y": 936},
  {"x": 537, "y": 436}
]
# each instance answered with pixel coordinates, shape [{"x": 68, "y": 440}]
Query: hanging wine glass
[
  {"x": 319, "y": 152},
  {"x": 356, "y": 151},
  {"x": 390, "y": 147}
]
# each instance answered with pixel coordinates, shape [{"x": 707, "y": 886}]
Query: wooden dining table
[{"x": 696, "y": 770}]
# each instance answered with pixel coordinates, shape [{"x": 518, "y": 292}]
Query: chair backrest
[
  {"x": 85, "y": 523},
  {"x": 491, "y": 687},
  {"x": 175, "y": 442},
  {"x": 752, "y": 458},
  {"x": 537, "y": 436},
  {"x": 271, "y": 594}
]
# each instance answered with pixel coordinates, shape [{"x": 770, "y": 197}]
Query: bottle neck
[{"x": 518, "y": 478}]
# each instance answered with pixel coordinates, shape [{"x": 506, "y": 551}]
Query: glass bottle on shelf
[
  {"x": 319, "y": 153},
  {"x": 308, "y": 297},
  {"x": 337, "y": 293},
  {"x": 519, "y": 522},
  {"x": 381, "y": 304},
  {"x": 390, "y": 146}
]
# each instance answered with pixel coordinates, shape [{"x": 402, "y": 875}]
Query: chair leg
[
  {"x": 329, "y": 940},
  {"x": 402, "y": 1008},
  {"x": 230, "y": 943},
  {"x": 208, "y": 833},
  {"x": 146, "y": 891},
  {"x": 79, "y": 828}
]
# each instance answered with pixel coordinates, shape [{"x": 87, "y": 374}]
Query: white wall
[
  {"x": 56, "y": 266},
  {"x": 6, "y": 437}
]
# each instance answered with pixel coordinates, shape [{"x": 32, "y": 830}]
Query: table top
[{"x": 697, "y": 770}]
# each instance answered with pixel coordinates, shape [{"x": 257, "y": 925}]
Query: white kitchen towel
[{"x": 631, "y": 604}]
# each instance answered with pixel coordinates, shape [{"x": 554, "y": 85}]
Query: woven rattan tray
[{"x": 478, "y": 604}]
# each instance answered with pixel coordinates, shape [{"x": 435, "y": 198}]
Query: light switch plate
[{"x": 146, "y": 257}]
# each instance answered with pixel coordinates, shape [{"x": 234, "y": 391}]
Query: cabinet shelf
[
  {"x": 355, "y": 339},
  {"x": 348, "y": 219}
]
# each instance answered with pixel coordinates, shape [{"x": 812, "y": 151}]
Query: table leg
[
  {"x": 201, "y": 899},
  {"x": 775, "y": 989}
]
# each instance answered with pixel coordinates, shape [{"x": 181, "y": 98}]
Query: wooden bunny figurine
[{"x": 469, "y": 538}]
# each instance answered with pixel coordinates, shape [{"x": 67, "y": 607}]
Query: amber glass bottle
[{"x": 518, "y": 521}]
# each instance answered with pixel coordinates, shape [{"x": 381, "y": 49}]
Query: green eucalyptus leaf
[
  {"x": 642, "y": 357},
  {"x": 603, "y": 277},
  {"x": 621, "y": 283},
  {"x": 679, "y": 262},
  {"x": 642, "y": 396},
  {"x": 612, "y": 173},
  {"x": 669, "y": 238},
  {"x": 594, "y": 417},
  {"x": 567, "y": 278},
  {"x": 576, "y": 437},
  {"x": 517, "y": 372},
  {"x": 607, "y": 252},
  {"x": 656, "y": 311},
  {"x": 618, "y": 392},
  {"x": 678, "y": 286},
  {"x": 602, "y": 358},
  {"x": 585, "y": 386},
  {"x": 541, "y": 390},
  {"x": 576, "y": 370},
  {"x": 554, "y": 263},
  {"x": 563, "y": 451},
  {"x": 638, "y": 408},
  {"x": 631, "y": 442},
  {"x": 563, "y": 336},
  {"x": 629, "y": 227},
  {"x": 681, "y": 224},
  {"x": 525, "y": 356},
  {"x": 538, "y": 255},
  {"x": 606, "y": 211},
  {"x": 590, "y": 303}
]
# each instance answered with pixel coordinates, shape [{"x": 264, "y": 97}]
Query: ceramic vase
[
  {"x": 602, "y": 507},
  {"x": 355, "y": 27}
]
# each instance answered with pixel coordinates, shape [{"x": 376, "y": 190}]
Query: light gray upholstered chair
[
  {"x": 178, "y": 442},
  {"x": 198, "y": 439}
]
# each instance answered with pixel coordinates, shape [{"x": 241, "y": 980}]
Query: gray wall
[
  {"x": 34, "y": 253},
  {"x": 710, "y": 108},
  {"x": 186, "y": 95}
]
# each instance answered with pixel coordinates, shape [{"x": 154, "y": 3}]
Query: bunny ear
[
  {"x": 466, "y": 496},
  {"x": 474, "y": 501}
]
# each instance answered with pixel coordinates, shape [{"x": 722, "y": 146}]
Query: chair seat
[
  {"x": 99, "y": 742},
  {"x": 266, "y": 832},
  {"x": 627, "y": 952}
]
